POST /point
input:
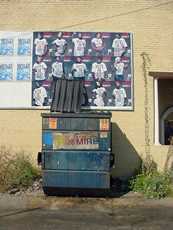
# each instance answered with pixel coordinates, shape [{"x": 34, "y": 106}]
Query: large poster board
[{"x": 103, "y": 59}]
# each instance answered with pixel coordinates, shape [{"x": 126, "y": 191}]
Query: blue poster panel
[
  {"x": 6, "y": 72},
  {"x": 23, "y": 72},
  {"x": 103, "y": 59},
  {"x": 6, "y": 46},
  {"x": 24, "y": 46}
]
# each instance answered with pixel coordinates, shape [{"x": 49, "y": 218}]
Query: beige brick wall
[{"x": 151, "y": 23}]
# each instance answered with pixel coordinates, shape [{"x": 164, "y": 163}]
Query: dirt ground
[{"x": 130, "y": 211}]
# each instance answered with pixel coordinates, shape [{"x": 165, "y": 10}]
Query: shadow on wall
[{"x": 127, "y": 161}]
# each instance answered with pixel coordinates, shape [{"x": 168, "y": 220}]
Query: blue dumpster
[{"x": 76, "y": 153}]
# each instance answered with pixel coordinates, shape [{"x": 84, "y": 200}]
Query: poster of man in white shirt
[
  {"x": 57, "y": 68},
  {"x": 39, "y": 69},
  {"x": 39, "y": 95},
  {"x": 79, "y": 69},
  {"x": 60, "y": 44},
  {"x": 119, "y": 45},
  {"x": 97, "y": 45},
  {"x": 40, "y": 45},
  {"x": 119, "y": 69},
  {"x": 79, "y": 46},
  {"x": 119, "y": 95},
  {"x": 99, "y": 70},
  {"x": 100, "y": 92}
]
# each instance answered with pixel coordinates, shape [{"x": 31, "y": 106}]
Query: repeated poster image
[
  {"x": 39, "y": 95},
  {"x": 24, "y": 46},
  {"x": 6, "y": 46},
  {"x": 23, "y": 72},
  {"x": 6, "y": 72},
  {"x": 102, "y": 59}
]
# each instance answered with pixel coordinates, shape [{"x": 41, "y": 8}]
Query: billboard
[{"x": 102, "y": 59}]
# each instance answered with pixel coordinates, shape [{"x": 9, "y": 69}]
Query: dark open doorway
[{"x": 165, "y": 100}]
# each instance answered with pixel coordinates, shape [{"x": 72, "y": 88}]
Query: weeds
[
  {"x": 151, "y": 183},
  {"x": 16, "y": 170}
]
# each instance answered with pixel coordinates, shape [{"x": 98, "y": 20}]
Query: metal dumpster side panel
[
  {"x": 77, "y": 160},
  {"x": 76, "y": 179}
]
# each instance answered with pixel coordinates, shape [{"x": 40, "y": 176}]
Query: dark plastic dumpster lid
[{"x": 78, "y": 115}]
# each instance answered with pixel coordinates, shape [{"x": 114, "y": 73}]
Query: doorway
[
  {"x": 166, "y": 129},
  {"x": 165, "y": 101}
]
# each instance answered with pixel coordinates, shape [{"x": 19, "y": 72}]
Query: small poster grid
[{"x": 16, "y": 56}]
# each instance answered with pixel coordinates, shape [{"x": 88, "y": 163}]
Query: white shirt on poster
[
  {"x": 120, "y": 95},
  {"x": 39, "y": 95},
  {"x": 98, "y": 43},
  {"x": 40, "y": 70},
  {"x": 80, "y": 69},
  {"x": 40, "y": 45},
  {"x": 99, "y": 70},
  {"x": 119, "y": 68},
  {"x": 98, "y": 101},
  {"x": 119, "y": 45},
  {"x": 79, "y": 47},
  {"x": 60, "y": 43},
  {"x": 57, "y": 69}
]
